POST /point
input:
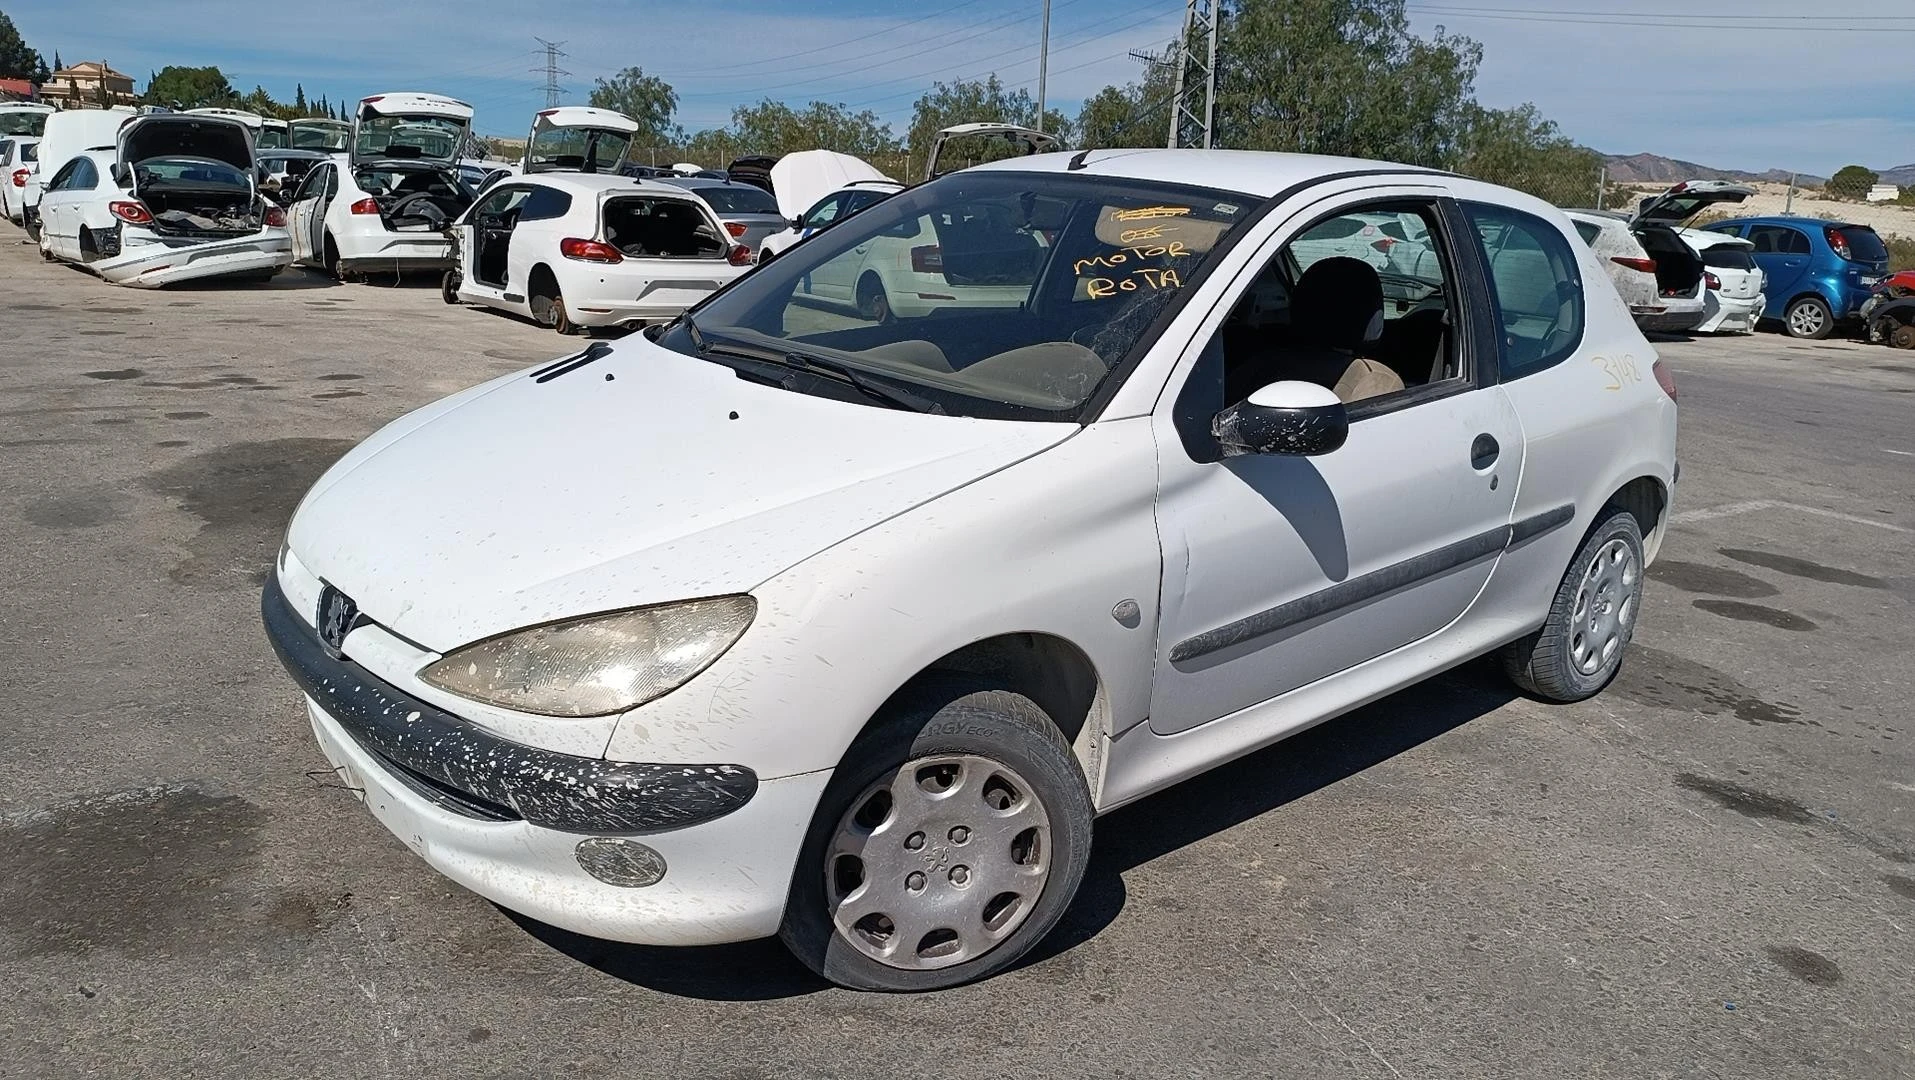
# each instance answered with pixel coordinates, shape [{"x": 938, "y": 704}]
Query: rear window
[
  {"x": 188, "y": 172},
  {"x": 738, "y": 199},
  {"x": 1728, "y": 257},
  {"x": 30, "y": 152},
  {"x": 23, "y": 122},
  {"x": 1864, "y": 244}
]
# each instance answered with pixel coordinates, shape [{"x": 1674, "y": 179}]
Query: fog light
[{"x": 616, "y": 861}]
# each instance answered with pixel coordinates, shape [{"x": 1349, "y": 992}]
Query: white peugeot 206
[{"x": 774, "y": 619}]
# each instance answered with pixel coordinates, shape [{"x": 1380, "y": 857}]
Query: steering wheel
[{"x": 421, "y": 205}]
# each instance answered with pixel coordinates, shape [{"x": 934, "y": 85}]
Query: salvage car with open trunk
[
  {"x": 176, "y": 200},
  {"x": 779, "y": 619}
]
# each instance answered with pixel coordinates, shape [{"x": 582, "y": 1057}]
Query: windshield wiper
[
  {"x": 697, "y": 336},
  {"x": 870, "y": 386}
]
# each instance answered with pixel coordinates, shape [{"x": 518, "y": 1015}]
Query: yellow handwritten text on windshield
[
  {"x": 1146, "y": 277},
  {"x": 1147, "y": 213},
  {"x": 1172, "y": 250}
]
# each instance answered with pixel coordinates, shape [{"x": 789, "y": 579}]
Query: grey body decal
[{"x": 1358, "y": 589}]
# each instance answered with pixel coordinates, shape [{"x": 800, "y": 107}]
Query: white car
[
  {"x": 177, "y": 200},
  {"x": 386, "y": 204},
  {"x": 67, "y": 134},
  {"x": 1733, "y": 298},
  {"x": 579, "y": 250},
  {"x": 814, "y": 189},
  {"x": 19, "y": 157},
  {"x": 1654, "y": 270},
  {"x": 315, "y": 133},
  {"x": 744, "y": 626}
]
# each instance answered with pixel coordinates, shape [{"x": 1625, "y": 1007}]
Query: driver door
[
  {"x": 485, "y": 242},
  {"x": 1283, "y": 571},
  {"x": 299, "y": 216}
]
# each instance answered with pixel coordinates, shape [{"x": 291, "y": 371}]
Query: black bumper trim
[{"x": 549, "y": 789}]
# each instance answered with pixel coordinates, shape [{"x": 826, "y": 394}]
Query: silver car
[{"x": 749, "y": 213}]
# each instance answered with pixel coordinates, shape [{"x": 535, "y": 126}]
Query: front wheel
[
  {"x": 449, "y": 287},
  {"x": 950, "y": 840},
  {"x": 1809, "y": 318},
  {"x": 1579, "y": 649},
  {"x": 873, "y": 304}
]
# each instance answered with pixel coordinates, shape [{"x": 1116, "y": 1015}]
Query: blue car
[{"x": 1819, "y": 272}]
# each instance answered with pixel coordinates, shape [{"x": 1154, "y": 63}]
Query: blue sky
[{"x": 1722, "y": 89}]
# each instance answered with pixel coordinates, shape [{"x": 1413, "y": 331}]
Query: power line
[
  {"x": 552, "y": 71},
  {"x": 1547, "y": 16},
  {"x": 1604, "y": 19},
  {"x": 711, "y": 71}
]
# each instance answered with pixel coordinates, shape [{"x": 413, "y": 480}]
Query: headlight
[{"x": 596, "y": 665}]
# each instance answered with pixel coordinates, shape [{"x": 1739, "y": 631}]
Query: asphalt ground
[{"x": 1708, "y": 871}]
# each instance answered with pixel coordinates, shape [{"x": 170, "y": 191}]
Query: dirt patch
[
  {"x": 188, "y": 415},
  {"x": 115, "y": 375},
  {"x": 244, "y": 492},
  {"x": 1712, "y": 580},
  {"x": 79, "y": 510},
  {"x": 242, "y": 380},
  {"x": 1756, "y": 613},
  {"x": 1900, "y": 885},
  {"x": 170, "y": 870},
  {"x": 1803, "y": 568},
  {"x": 1654, "y": 677},
  {"x": 1811, "y": 967},
  {"x": 332, "y": 394},
  {"x": 1746, "y": 801}
]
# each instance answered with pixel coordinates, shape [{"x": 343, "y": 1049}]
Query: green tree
[
  {"x": 1519, "y": 148},
  {"x": 1342, "y": 77},
  {"x": 190, "y": 88},
  {"x": 1851, "y": 182},
  {"x": 647, "y": 99},
  {"x": 17, "y": 61},
  {"x": 965, "y": 102},
  {"x": 773, "y": 127},
  {"x": 1133, "y": 115},
  {"x": 299, "y": 98}
]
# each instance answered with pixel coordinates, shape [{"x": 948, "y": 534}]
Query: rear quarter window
[
  {"x": 1588, "y": 230},
  {"x": 1537, "y": 284},
  {"x": 545, "y": 204}
]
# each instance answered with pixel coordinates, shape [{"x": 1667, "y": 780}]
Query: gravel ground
[{"x": 1707, "y": 871}]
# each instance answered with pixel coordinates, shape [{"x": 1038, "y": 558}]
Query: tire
[
  {"x": 1809, "y": 318},
  {"x": 548, "y": 304},
  {"x": 974, "y": 745},
  {"x": 1579, "y": 650},
  {"x": 329, "y": 258},
  {"x": 873, "y": 304},
  {"x": 1902, "y": 337},
  {"x": 449, "y": 287}
]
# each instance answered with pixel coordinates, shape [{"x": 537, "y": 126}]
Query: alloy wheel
[{"x": 1806, "y": 320}]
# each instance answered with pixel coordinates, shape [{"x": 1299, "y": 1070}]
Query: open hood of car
[
  {"x": 410, "y": 127},
  {"x": 565, "y": 139},
  {"x": 186, "y": 135},
  {"x": 1027, "y": 140},
  {"x": 1686, "y": 200},
  {"x": 799, "y": 180},
  {"x": 640, "y": 477}
]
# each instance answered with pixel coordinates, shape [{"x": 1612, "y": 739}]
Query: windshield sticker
[{"x": 1227, "y": 209}]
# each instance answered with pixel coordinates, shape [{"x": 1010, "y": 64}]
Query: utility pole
[
  {"x": 1602, "y": 184},
  {"x": 1193, "y": 102},
  {"x": 552, "y": 71},
  {"x": 1789, "y": 207},
  {"x": 1043, "y": 64}
]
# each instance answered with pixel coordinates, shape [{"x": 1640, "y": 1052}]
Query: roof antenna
[{"x": 1078, "y": 161}]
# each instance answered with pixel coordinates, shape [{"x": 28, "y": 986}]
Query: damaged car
[
  {"x": 176, "y": 200},
  {"x": 576, "y": 250},
  {"x": 1656, "y": 272},
  {"x": 771, "y": 621},
  {"x": 386, "y": 205}
]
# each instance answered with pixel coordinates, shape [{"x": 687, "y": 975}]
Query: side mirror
[
  {"x": 1297, "y": 418},
  {"x": 798, "y": 223}
]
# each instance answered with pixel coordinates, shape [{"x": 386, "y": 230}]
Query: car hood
[
  {"x": 642, "y": 477},
  {"x": 800, "y": 180}
]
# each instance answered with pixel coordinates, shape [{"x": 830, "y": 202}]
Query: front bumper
[{"x": 727, "y": 875}]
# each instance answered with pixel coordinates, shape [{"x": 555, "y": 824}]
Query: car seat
[{"x": 1336, "y": 314}]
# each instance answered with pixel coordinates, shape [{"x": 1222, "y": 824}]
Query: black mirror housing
[{"x": 1296, "y": 418}]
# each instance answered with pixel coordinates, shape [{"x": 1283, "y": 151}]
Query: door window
[
  {"x": 1538, "y": 287},
  {"x": 77, "y": 175},
  {"x": 1359, "y": 302},
  {"x": 824, "y": 213},
  {"x": 1778, "y": 240},
  {"x": 313, "y": 184},
  {"x": 499, "y": 205},
  {"x": 545, "y": 204}
]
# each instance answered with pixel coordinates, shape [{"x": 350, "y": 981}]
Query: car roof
[
  {"x": 594, "y": 183},
  {"x": 1252, "y": 172},
  {"x": 1784, "y": 219}
]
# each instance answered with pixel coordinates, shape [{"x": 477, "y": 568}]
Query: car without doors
[
  {"x": 777, "y": 620},
  {"x": 387, "y": 203},
  {"x": 175, "y": 201},
  {"x": 577, "y": 250}
]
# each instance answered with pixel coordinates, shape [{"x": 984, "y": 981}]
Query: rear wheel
[
  {"x": 1902, "y": 337},
  {"x": 873, "y": 304},
  {"x": 1809, "y": 318},
  {"x": 950, "y": 840},
  {"x": 1579, "y": 649},
  {"x": 330, "y": 259},
  {"x": 548, "y": 304},
  {"x": 449, "y": 287}
]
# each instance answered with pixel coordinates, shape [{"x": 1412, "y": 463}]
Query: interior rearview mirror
[{"x": 1297, "y": 418}]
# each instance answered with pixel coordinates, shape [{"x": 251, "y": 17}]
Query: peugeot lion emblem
[{"x": 338, "y": 615}]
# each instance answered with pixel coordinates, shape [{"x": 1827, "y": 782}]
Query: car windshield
[
  {"x": 198, "y": 173},
  {"x": 311, "y": 136},
  {"x": 409, "y": 137},
  {"x": 270, "y": 139},
  {"x": 1864, "y": 244},
  {"x": 738, "y": 199},
  {"x": 991, "y": 294},
  {"x": 570, "y": 148},
  {"x": 23, "y": 122}
]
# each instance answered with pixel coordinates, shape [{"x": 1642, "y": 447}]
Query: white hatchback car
[
  {"x": 177, "y": 200},
  {"x": 1733, "y": 298},
  {"x": 19, "y": 157},
  {"x": 387, "y": 202},
  {"x": 579, "y": 250},
  {"x": 762, "y": 623}
]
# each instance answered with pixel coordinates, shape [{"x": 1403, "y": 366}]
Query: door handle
[{"x": 1483, "y": 452}]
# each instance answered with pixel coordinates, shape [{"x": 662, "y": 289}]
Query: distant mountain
[
  {"x": 1656, "y": 169},
  {"x": 1903, "y": 175}
]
